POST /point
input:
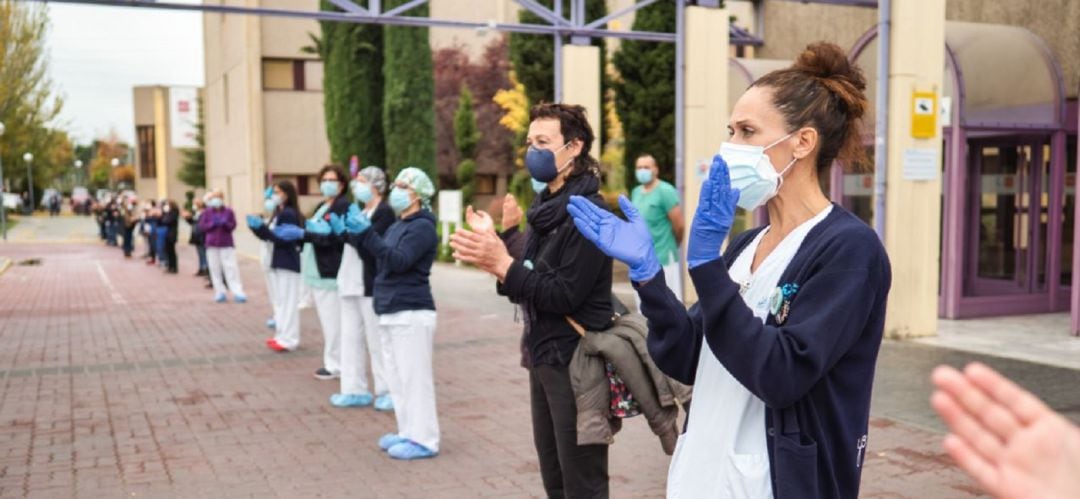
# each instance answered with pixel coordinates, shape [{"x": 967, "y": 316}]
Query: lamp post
[
  {"x": 112, "y": 174},
  {"x": 3, "y": 209},
  {"x": 29, "y": 159}
]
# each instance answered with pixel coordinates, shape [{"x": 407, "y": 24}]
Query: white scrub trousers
[
  {"x": 328, "y": 306},
  {"x": 360, "y": 335},
  {"x": 407, "y": 357},
  {"x": 224, "y": 270},
  {"x": 285, "y": 286}
]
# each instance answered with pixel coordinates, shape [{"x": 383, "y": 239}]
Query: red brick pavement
[{"x": 120, "y": 380}]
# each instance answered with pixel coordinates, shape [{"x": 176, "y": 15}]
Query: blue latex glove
[
  {"x": 337, "y": 224},
  {"x": 627, "y": 241},
  {"x": 288, "y": 232},
  {"x": 318, "y": 226},
  {"x": 254, "y": 221},
  {"x": 356, "y": 222},
  {"x": 715, "y": 213}
]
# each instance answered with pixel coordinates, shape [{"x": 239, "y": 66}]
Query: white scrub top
[
  {"x": 350, "y": 278},
  {"x": 723, "y": 452}
]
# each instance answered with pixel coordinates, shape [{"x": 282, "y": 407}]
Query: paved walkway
[{"x": 120, "y": 380}]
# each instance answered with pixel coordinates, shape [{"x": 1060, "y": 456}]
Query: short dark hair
[
  {"x": 647, "y": 155},
  {"x": 574, "y": 125},
  {"x": 339, "y": 172},
  {"x": 826, "y": 91}
]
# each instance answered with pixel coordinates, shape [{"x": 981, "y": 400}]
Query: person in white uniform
[
  {"x": 361, "y": 333},
  {"x": 284, "y": 260},
  {"x": 782, "y": 344},
  {"x": 406, "y": 310},
  {"x": 320, "y": 261}
]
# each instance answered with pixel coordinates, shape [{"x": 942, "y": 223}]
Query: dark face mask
[{"x": 541, "y": 163}]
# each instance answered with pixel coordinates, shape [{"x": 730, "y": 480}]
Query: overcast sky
[{"x": 97, "y": 54}]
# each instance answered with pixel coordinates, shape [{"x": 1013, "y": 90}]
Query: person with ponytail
[
  {"x": 283, "y": 276},
  {"x": 782, "y": 344}
]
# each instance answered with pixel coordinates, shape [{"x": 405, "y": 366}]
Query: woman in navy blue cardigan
[
  {"x": 782, "y": 344},
  {"x": 284, "y": 265}
]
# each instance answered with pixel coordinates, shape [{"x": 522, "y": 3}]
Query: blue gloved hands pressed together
[
  {"x": 288, "y": 232},
  {"x": 318, "y": 226},
  {"x": 628, "y": 240},
  {"x": 715, "y": 213},
  {"x": 356, "y": 222},
  {"x": 254, "y": 221},
  {"x": 337, "y": 224}
]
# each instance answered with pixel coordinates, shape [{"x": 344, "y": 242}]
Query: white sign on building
[{"x": 183, "y": 116}]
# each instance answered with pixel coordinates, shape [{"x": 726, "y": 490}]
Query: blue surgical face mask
[
  {"x": 643, "y": 175},
  {"x": 329, "y": 188},
  {"x": 400, "y": 200},
  {"x": 362, "y": 192},
  {"x": 271, "y": 204},
  {"x": 215, "y": 203},
  {"x": 538, "y": 186},
  {"x": 752, "y": 173},
  {"x": 541, "y": 163}
]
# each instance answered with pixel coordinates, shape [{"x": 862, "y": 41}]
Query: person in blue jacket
[
  {"x": 284, "y": 273},
  {"x": 782, "y": 344},
  {"x": 406, "y": 308}
]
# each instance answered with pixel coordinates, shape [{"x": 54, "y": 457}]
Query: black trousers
[
  {"x": 568, "y": 470},
  {"x": 170, "y": 254}
]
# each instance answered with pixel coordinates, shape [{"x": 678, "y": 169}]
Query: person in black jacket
[
  {"x": 284, "y": 266},
  {"x": 562, "y": 282},
  {"x": 170, "y": 217},
  {"x": 320, "y": 261},
  {"x": 196, "y": 237},
  {"x": 360, "y": 330},
  {"x": 406, "y": 308}
]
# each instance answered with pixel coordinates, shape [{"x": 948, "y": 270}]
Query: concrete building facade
[{"x": 164, "y": 128}]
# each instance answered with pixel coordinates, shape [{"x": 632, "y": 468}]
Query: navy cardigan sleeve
[
  {"x": 828, "y": 314},
  {"x": 287, "y": 216},
  {"x": 413, "y": 245}
]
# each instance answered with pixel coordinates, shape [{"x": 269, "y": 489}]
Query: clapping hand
[
  {"x": 337, "y": 224},
  {"x": 254, "y": 222},
  {"x": 318, "y": 226},
  {"x": 356, "y": 222},
  {"x": 715, "y": 213},
  {"x": 628, "y": 240},
  {"x": 288, "y": 232}
]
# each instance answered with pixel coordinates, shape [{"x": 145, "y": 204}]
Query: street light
[
  {"x": 3, "y": 209},
  {"x": 112, "y": 175},
  {"x": 29, "y": 159}
]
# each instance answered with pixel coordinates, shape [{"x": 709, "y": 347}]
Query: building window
[
  {"x": 485, "y": 184},
  {"x": 292, "y": 74},
  {"x": 302, "y": 185},
  {"x": 147, "y": 167}
]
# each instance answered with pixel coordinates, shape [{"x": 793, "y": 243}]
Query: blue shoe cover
[
  {"x": 409, "y": 450},
  {"x": 220, "y": 298},
  {"x": 384, "y": 403},
  {"x": 351, "y": 399},
  {"x": 389, "y": 440}
]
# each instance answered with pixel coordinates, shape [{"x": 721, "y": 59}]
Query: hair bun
[{"x": 829, "y": 64}]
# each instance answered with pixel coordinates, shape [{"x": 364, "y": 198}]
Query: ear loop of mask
[{"x": 789, "y": 165}]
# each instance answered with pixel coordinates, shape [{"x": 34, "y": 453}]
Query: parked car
[{"x": 79, "y": 197}]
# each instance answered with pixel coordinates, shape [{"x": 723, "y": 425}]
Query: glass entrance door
[{"x": 1007, "y": 236}]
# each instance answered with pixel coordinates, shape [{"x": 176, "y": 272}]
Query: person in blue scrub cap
[{"x": 782, "y": 344}]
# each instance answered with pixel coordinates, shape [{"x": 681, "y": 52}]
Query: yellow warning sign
[{"x": 924, "y": 114}]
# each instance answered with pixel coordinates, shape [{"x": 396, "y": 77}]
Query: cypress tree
[
  {"x": 645, "y": 92},
  {"x": 352, "y": 55},
  {"x": 408, "y": 112},
  {"x": 466, "y": 137}
]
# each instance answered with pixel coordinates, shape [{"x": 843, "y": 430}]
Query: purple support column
[
  {"x": 1057, "y": 200},
  {"x": 952, "y": 258},
  {"x": 1074, "y": 307}
]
